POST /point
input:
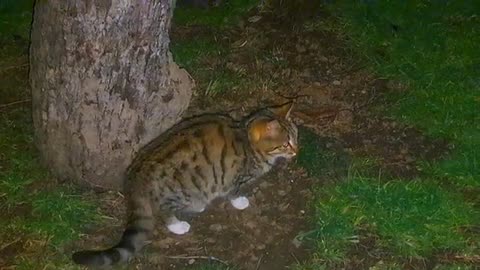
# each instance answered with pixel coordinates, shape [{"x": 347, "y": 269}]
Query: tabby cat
[{"x": 191, "y": 164}]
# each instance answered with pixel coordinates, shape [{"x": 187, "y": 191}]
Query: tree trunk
[{"x": 103, "y": 84}]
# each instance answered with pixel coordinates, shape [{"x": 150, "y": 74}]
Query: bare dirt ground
[{"x": 336, "y": 100}]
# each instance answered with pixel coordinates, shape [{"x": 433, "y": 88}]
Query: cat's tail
[{"x": 134, "y": 238}]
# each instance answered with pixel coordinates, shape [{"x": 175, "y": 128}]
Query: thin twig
[
  {"x": 259, "y": 262},
  {"x": 295, "y": 257},
  {"x": 95, "y": 187},
  {"x": 9, "y": 244},
  {"x": 12, "y": 67},
  {"x": 14, "y": 103},
  {"x": 295, "y": 97},
  {"x": 210, "y": 258}
]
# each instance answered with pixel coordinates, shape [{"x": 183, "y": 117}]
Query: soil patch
[{"x": 333, "y": 98}]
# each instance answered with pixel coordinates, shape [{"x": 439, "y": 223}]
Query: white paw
[
  {"x": 179, "y": 227},
  {"x": 240, "y": 203}
]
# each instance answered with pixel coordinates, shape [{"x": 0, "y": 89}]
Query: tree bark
[{"x": 103, "y": 84}]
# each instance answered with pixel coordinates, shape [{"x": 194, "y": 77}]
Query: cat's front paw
[
  {"x": 240, "y": 203},
  {"x": 179, "y": 227}
]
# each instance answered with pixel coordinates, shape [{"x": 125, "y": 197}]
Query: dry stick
[
  {"x": 9, "y": 244},
  {"x": 289, "y": 97},
  {"x": 14, "y": 103},
  {"x": 259, "y": 262},
  {"x": 211, "y": 258},
  {"x": 295, "y": 257},
  {"x": 11, "y": 67}
]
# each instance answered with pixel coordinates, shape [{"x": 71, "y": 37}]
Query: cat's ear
[
  {"x": 263, "y": 129},
  {"x": 283, "y": 110},
  {"x": 271, "y": 126},
  {"x": 256, "y": 130}
]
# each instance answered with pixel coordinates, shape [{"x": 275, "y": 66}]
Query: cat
[{"x": 191, "y": 164}]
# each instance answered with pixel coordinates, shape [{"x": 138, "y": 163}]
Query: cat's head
[{"x": 273, "y": 134}]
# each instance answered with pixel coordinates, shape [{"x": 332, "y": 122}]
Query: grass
[
  {"x": 194, "y": 55},
  {"x": 317, "y": 159},
  {"x": 430, "y": 48},
  {"x": 35, "y": 209},
  {"x": 210, "y": 266},
  {"x": 225, "y": 15},
  {"x": 406, "y": 219},
  {"x": 38, "y": 216},
  {"x": 189, "y": 53},
  {"x": 414, "y": 219}
]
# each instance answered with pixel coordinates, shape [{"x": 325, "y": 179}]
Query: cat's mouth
[{"x": 281, "y": 162}]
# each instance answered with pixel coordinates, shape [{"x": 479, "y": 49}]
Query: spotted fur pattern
[{"x": 196, "y": 161}]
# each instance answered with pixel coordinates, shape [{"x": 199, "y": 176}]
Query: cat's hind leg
[
  {"x": 173, "y": 224},
  {"x": 240, "y": 202},
  {"x": 237, "y": 200},
  {"x": 177, "y": 226}
]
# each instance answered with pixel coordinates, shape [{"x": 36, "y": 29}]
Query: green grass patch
[
  {"x": 210, "y": 266},
  {"x": 202, "y": 58},
  {"x": 223, "y": 80},
  {"x": 414, "y": 219},
  {"x": 454, "y": 267},
  {"x": 225, "y": 15},
  {"x": 316, "y": 158},
  {"x": 33, "y": 204},
  {"x": 432, "y": 47},
  {"x": 34, "y": 209},
  {"x": 189, "y": 53},
  {"x": 15, "y": 18}
]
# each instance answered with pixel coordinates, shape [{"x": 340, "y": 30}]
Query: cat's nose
[{"x": 294, "y": 150}]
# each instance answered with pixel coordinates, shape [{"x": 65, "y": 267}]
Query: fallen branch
[
  {"x": 14, "y": 103},
  {"x": 12, "y": 67},
  {"x": 259, "y": 262},
  {"x": 467, "y": 259},
  {"x": 9, "y": 244},
  {"x": 210, "y": 258}
]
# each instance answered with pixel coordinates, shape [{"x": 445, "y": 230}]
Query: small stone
[
  {"x": 282, "y": 193},
  {"x": 261, "y": 247},
  {"x": 314, "y": 46},
  {"x": 296, "y": 242},
  {"x": 302, "y": 212},
  {"x": 211, "y": 240},
  {"x": 254, "y": 19},
  {"x": 259, "y": 195},
  {"x": 241, "y": 24},
  {"x": 323, "y": 59},
  {"x": 409, "y": 159},
  {"x": 286, "y": 72},
  {"x": 251, "y": 224},
  {"x": 300, "y": 48},
  {"x": 265, "y": 184},
  {"x": 283, "y": 207},
  {"x": 216, "y": 227},
  {"x": 191, "y": 261},
  {"x": 336, "y": 82},
  {"x": 306, "y": 73}
]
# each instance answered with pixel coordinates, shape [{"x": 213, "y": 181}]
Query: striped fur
[{"x": 191, "y": 164}]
